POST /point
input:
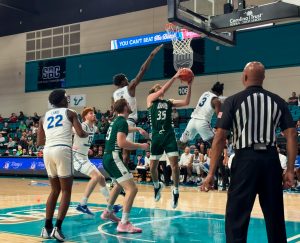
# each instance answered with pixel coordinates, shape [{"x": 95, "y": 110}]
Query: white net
[
  {"x": 183, "y": 55},
  {"x": 180, "y": 44}
]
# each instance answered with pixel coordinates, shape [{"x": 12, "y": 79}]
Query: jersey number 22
[{"x": 54, "y": 121}]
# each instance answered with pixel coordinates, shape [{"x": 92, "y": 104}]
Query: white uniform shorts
[
  {"x": 83, "y": 164},
  {"x": 196, "y": 168},
  {"x": 58, "y": 161},
  {"x": 197, "y": 126},
  {"x": 131, "y": 135}
]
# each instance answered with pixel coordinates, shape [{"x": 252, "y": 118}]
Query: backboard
[{"x": 219, "y": 20}]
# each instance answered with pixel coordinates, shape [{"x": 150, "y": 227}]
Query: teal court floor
[{"x": 158, "y": 226}]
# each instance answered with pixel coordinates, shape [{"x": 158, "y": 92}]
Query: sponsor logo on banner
[
  {"x": 78, "y": 100},
  {"x": 249, "y": 17},
  {"x": 182, "y": 90}
]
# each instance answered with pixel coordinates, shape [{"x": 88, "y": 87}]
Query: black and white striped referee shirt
[{"x": 253, "y": 115}]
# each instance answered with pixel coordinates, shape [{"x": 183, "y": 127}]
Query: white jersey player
[
  {"x": 200, "y": 122},
  {"x": 126, "y": 91},
  {"x": 55, "y": 132},
  {"x": 82, "y": 163}
]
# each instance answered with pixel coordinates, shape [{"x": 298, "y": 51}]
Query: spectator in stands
[
  {"x": 32, "y": 147},
  {"x": 24, "y": 152},
  {"x": 104, "y": 125},
  {"x": 35, "y": 118},
  {"x": 30, "y": 137},
  {"x": 141, "y": 168},
  {"x": 22, "y": 126},
  {"x": 19, "y": 151},
  {"x": 94, "y": 151},
  {"x": 298, "y": 127},
  {"x": 6, "y": 128},
  {"x": 185, "y": 164},
  {"x": 293, "y": 100},
  {"x": 30, "y": 153},
  {"x": 35, "y": 128},
  {"x": 11, "y": 143},
  {"x": 90, "y": 153},
  {"x": 100, "y": 154},
  {"x": 202, "y": 149},
  {"x": 23, "y": 143},
  {"x": 6, "y": 153},
  {"x": 1, "y": 119},
  {"x": 14, "y": 153},
  {"x": 147, "y": 158},
  {"x": 2, "y": 139},
  {"x": 13, "y": 118},
  {"x": 175, "y": 117},
  {"x": 29, "y": 121},
  {"x": 21, "y": 116}
]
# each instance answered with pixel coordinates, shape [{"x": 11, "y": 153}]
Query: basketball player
[
  {"x": 163, "y": 135},
  {"x": 201, "y": 117},
  {"x": 84, "y": 165},
  {"x": 114, "y": 165},
  {"x": 55, "y": 132},
  {"x": 126, "y": 90}
]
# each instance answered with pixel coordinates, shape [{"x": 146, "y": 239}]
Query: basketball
[{"x": 186, "y": 75}]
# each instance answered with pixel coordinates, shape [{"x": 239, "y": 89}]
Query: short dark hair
[
  {"x": 120, "y": 105},
  {"x": 218, "y": 88},
  {"x": 118, "y": 78},
  {"x": 56, "y": 96}
]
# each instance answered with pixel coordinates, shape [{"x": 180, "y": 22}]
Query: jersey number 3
[
  {"x": 202, "y": 102},
  {"x": 55, "y": 121}
]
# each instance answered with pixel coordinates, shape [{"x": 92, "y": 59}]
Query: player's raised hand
[
  {"x": 178, "y": 73},
  {"x": 156, "y": 50},
  {"x": 144, "y": 146},
  {"x": 208, "y": 184}
]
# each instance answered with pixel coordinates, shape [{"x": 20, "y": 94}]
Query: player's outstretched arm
[
  {"x": 186, "y": 101},
  {"x": 41, "y": 137},
  {"x": 72, "y": 115},
  {"x": 135, "y": 82},
  {"x": 123, "y": 143},
  {"x": 139, "y": 130},
  {"x": 162, "y": 91}
]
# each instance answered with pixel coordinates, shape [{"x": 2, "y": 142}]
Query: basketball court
[{"x": 199, "y": 216}]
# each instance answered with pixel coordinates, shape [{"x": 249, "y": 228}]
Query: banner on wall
[
  {"x": 149, "y": 39},
  {"x": 51, "y": 74}
]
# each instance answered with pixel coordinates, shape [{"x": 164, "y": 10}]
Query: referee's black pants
[{"x": 255, "y": 172}]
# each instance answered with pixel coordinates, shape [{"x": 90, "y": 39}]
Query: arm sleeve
[
  {"x": 286, "y": 119},
  {"x": 225, "y": 116},
  {"x": 123, "y": 127}
]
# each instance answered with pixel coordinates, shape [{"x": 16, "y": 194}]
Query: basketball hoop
[{"x": 183, "y": 55}]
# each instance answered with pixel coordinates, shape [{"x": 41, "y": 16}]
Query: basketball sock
[
  {"x": 58, "y": 223},
  {"x": 84, "y": 201},
  {"x": 105, "y": 192},
  {"x": 125, "y": 218},
  {"x": 156, "y": 184},
  {"x": 48, "y": 224},
  {"x": 176, "y": 190},
  {"x": 109, "y": 208}
]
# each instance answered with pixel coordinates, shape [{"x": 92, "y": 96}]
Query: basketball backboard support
[{"x": 219, "y": 20}]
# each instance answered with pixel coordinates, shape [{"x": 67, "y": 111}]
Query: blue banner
[
  {"x": 31, "y": 163},
  {"x": 141, "y": 40}
]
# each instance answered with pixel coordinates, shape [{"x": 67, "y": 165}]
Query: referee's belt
[{"x": 259, "y": 147}]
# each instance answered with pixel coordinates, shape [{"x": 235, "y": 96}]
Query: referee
[{"x": 253, "y": 115}]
